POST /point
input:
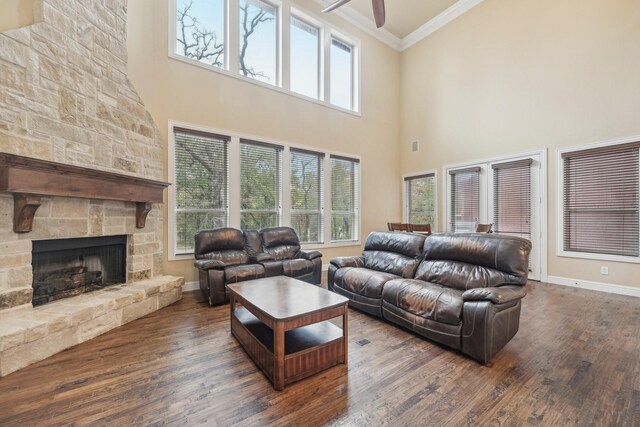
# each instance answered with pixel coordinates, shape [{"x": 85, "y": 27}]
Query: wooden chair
[
  {"x": 397, "y": 226},
  {"x": 484, "y": 228},
  {"x": 420, "y": 228}
]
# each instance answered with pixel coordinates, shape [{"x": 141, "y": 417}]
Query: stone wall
[{"x": 65, "y": 97}]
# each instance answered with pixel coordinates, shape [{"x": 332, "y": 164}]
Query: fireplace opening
[{"x": 67, "y": 267}]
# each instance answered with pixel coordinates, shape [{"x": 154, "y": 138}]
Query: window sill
[
  {"x": 228, "y": 73},
  {"x": 599, "y": 257}
]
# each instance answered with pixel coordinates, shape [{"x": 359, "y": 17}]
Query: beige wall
[
  {"x": 514, "y": 76},
  {"x": 20, "y": 13},
  {"x": 174, "y": 90}
]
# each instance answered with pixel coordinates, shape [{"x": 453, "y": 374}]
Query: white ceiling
[{"x": 404, "y": 16}]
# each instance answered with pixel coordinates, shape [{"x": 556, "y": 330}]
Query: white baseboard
[
  {"x": 191, "y": 286},
  {"x": 595, "y": 286}
]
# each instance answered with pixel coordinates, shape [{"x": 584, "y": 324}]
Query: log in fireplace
[{"x": 68, "y": 267}]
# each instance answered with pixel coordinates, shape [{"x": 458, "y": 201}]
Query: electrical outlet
[
  {"x": 415, "y": 146},
  {"x": 604, "y": 270}
]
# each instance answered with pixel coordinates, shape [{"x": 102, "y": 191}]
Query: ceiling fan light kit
[{"x": 378, "y": 10}]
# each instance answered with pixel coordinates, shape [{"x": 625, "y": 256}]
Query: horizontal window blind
[
  {"x": 600, "y": 198},
  {"x": 307, "y": 197},
  {"x": 201, "y": 186},
  {"x": 465, "y": 199},
  {"x": 512, "y": 198},
  {"x": 260, "y": 184},
  {"x": 345, "y": 175},
  {"x": 420, "y": 196}
]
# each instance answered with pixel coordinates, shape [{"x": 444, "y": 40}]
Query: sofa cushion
[
  {"x": 240, "y": 273},
  {"x": 297, "y": 267},
  {"x": 467, "y": 261},
  {"x": 280, "y": 242},
  {"x": 396, "y": 253},
  {"x": 362, "y": 281},
  {"x": 219, "y": 239},
  {"x": 229, "y": 258},
  {"x": 427, "y": 300}
]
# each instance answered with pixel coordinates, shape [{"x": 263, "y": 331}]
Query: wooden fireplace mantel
[{"x": 29, "y": 179}]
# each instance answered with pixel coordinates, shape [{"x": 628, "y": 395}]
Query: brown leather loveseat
[
  {"x": 229, "y": 255},
  {"x": 461, "y": 290}
]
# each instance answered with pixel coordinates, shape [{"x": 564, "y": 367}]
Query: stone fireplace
[{"x": 65, "y": 99}]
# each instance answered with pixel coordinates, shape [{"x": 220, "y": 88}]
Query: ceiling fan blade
[
  {"x": 378, "y": 12},
  {"x": 335, "y": 5}
]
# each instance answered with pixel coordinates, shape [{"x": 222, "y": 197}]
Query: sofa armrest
[
  {"x": 497, "y": 295},
  {"x": 209, "y": 264},
  {"x": 261, "y": 257},
  {"x": 310, "y": 255},
  {"x": 348, "y": 261}
]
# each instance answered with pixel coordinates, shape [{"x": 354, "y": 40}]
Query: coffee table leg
[
  {"x": 278, "y": 355},
  {"x": 345, "y": 333}
]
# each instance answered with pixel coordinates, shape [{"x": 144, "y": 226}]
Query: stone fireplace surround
[{"x": 65, "y": 97}]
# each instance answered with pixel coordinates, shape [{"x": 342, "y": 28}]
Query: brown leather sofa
[
  {"x": 461, "y": 290},
  {"x": 229, "y": 255}
]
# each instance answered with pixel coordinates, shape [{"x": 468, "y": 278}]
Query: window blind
[
  {"x": 420, "y": 196},
  {"x": 307, "y": 197},
  {"x": 465, "y": 199},
  {"x": 260, "y": 184},
  {"x": 201, "y": 186},
  {"x": 512, "y": 198},
  {"x": 345, "y": 185},
  {"x": 600, "y": 198}
]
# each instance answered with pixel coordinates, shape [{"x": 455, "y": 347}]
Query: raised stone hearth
[
  {"x": 65, "y": 97},
  {"x": 28, "y": 335}
]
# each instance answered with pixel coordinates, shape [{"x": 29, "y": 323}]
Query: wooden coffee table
[{"x": 282, "y": 323}]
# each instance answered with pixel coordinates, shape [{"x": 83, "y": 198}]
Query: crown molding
[
  {"x": 367, "y": 24},
  {"x": 457, "y": 9}
]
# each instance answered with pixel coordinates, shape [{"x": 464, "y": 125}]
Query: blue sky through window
[
  {"x": 305, "y": 43},
  {"x": 260, "y": 57},
  {"x": 202, "y": 17},
  {"x": 341, "y": 74}
]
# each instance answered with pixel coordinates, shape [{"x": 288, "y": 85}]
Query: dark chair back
[
  {"x": 420, "y": 228},
  {"x": 397, "y": 226},
  {"x": 484, "y": 228}
]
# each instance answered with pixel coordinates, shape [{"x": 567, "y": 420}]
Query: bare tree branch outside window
[{"x": 196, "y": 41}]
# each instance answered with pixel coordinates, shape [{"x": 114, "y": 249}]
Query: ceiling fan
[{"x": 378, "y": 9}]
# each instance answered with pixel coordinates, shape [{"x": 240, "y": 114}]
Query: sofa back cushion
[
  {"x": 280, "y": 242},
  {"x": 252, "y": 242},
  {"x": 393, "y": 252},
  {"x": 467, "y": 261},
  {"x": 222, "y": 244}
]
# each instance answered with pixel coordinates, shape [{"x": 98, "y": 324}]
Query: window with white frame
[
  {"x": 307, "y": 198},
  {"x": 202, "y": 28},
  {"x": 259, "y": 41},
  {"x": 600, "y": 200},
  {"x": 200, "y": 31},
  {"x": 464, "y": 211},
  {"x": 222, "y": 179},
  {"x": 201, "y": 185},
  {"x": 260, "y": 184},
  {"x": 344, "y": 198},
  {"x": 341, "y": 74},
  {"x": 305, "y": 58},
  {"x": 420, "y": 197}
]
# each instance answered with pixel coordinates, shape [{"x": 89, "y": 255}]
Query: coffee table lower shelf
[{"x": 307, "y": 350}]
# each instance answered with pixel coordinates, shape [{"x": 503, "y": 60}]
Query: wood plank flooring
[{"x": 575, "y": 361}]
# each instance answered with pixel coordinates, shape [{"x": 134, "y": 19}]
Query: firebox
[{"x": 66, "y": 267}]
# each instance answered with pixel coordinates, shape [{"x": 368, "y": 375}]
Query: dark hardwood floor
[{"x": 575, "y": 361}]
